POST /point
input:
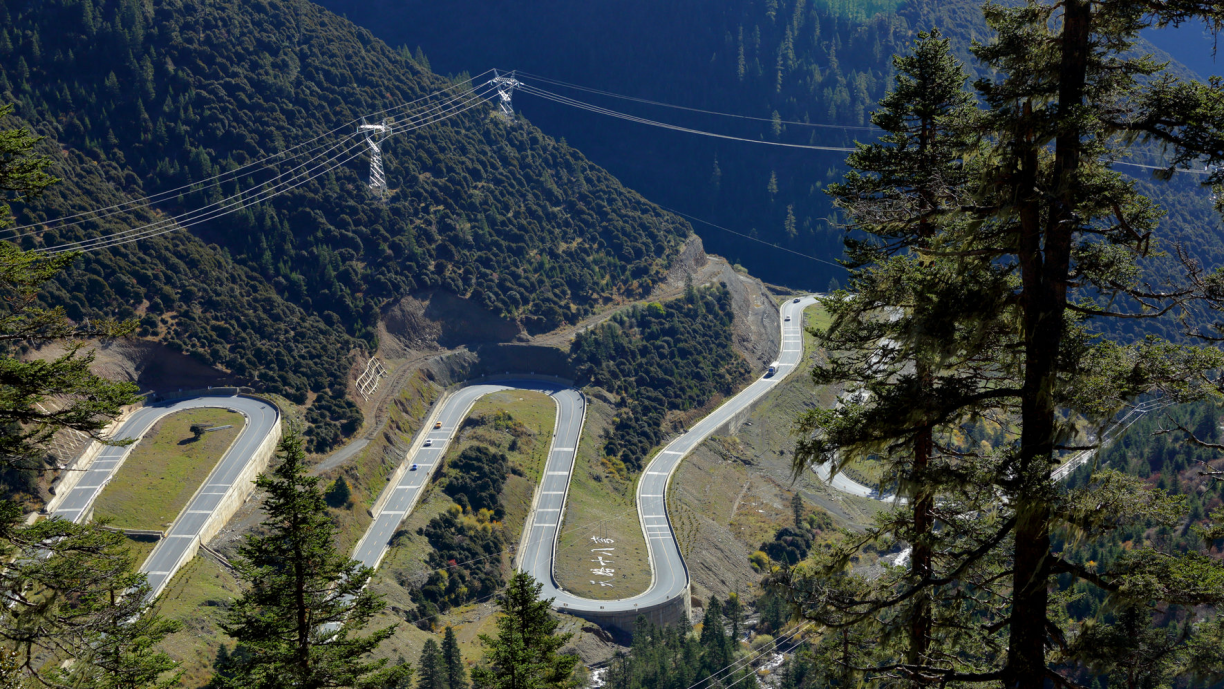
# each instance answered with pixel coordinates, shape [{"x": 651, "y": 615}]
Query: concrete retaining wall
[
  {"x": 188, "y": 553},
  {"x": 242, "y": 488},
  {"x": 198, "y": 392},
  {"x": 238, "y": 493},
  {"x": 81, "y": 464},
  {"x": 523, "y": 358},
  {"x": 677, "y": 610}
]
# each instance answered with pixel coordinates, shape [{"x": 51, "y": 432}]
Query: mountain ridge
[{"x": 137, "y": 100}]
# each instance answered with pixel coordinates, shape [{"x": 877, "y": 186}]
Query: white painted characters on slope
[{"x": 600, "y": 553}]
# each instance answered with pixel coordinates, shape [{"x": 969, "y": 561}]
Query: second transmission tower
[
  {"x": 375, "y": 135},
  {"x": 505, "y": 90}
]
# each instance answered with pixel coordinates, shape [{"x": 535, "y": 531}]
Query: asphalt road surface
[
  {"x": 405, "y": 494},
  {"x": 536, "y": 556},
  {"x": 670, "y": 574},
  {"x": 159, "y": 566}
]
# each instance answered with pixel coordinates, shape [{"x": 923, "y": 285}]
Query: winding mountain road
[
  {"x": 537, "y": 551},
  {"x": 537, "y": 548},
  {"x": 228, "y": 483},
  {"x": 211, "y": 503},
  {"x": 222, "y": 486},
  {"x": 405, "y": 492}
]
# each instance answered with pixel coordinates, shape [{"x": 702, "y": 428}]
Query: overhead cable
[
  {"x": 287, "y": 180},
  {"x": 609, "y": 94},
  {"x": 283, "y": 182},
  {"x": 750, "y": 237},
  {"x": 228, "y": 175},
  {"x": 748, "y": 659},
  {"x": 1161, "y": 167},
  {"x": 295, "y": 178},
  {"x": 564, "y": 100}
]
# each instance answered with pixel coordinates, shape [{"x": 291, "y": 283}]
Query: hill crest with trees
[{"x": 137, "y": 99}]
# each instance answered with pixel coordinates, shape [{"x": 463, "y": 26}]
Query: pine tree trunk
[
  {"x": 1045, "y": 271},
  {"x": 303, "y": 626},
  {"x": 920, "y": 558},
  {"x": 1042, "y": 329}
]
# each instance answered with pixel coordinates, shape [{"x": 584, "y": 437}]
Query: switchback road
[
  {"x": 185, "y": 533},
  {"x": 537, "y": 550}
]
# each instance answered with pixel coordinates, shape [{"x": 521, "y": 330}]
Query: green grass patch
[
  {"x": 520, "y": 424},
  {"x": 600, "y": 505},
  {"x": 165, "y": 468},
  {"x": 198, "y": 596},
  {"x": 814, "y": 316},
  {"x": 140, "y": 547}
]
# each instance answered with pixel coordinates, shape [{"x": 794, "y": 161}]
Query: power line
[
  {"x": 681, "y": 107},
  {"x": 283, "y": 182},
  {"x": 242, "y": 199},
  {"x": 564, "y": 100},
  {"x": 745, "y": 236},
  {"x": 219, "y": 178},
  {"x": 1162, "y": 167},
  {"x": 748, "y": 659}
]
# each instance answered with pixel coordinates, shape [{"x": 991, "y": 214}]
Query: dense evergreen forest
[
  {"x": 137, "y": 99},
  {"x": 824, "y": 62},
  {"x": 1169, "y": 464},
  {"x": 659, "y": 358}
]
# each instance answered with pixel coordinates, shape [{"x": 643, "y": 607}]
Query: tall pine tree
[
  {"x": 920, "y": 349},
  {"x": 1056, "y": 241},
  {"x": 74, "y": 610},
  {"x": 303, "y": 614},
  {"x": 524, "y": 654},
  {"x": 1071, "y": 96},
  {"x": 452, "y": 661},
  {"x": 430, "y": 671}
]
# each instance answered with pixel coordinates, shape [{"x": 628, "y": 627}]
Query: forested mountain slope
[
  {"x": 815, "y": 61},
  {"x": 139, "y": 98}
]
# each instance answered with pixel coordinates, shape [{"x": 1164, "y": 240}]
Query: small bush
[
  {"x": 759, "y": 561},
  {"x": 339, "y": 494}
]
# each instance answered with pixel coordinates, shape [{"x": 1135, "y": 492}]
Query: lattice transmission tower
[
  {"x": 375, "y": 135},
  {"x": 505, "y": 90}
]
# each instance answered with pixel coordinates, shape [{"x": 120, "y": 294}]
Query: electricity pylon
[
  {"x": 375, "y": 134},
  {"x": 505, "y": 89}
]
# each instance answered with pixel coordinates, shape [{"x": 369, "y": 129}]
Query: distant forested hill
[
  {"x": 817, "y": 61},
  {"x": 138, "y": 98}
]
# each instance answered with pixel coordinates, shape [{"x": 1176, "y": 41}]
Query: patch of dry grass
[{"x": 368, "y": 471}]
